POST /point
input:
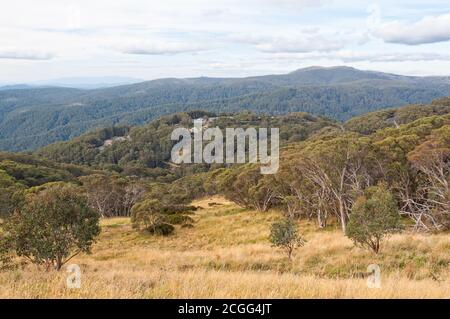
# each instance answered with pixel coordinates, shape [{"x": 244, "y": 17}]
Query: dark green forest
[
  {"x": 34, "y": 117},
  {"x": 145, "y": 150}
]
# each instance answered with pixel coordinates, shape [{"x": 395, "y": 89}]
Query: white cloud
[
  {"x": 360, "y": 56},
  {"x": 395, "y": 57},
  {"x": 429, "y": 29},
  {"x": 301, "y": 43},
  {"x": 14, "y": 54},
  {"x": 158, "y": 48},
  {"x": 290, "y": 4},
  {"x": 218, "y": 37},
  {"x": 309, "y": 39}
]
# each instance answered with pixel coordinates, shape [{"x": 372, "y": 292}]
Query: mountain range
[{"x": 34, "y": 117}]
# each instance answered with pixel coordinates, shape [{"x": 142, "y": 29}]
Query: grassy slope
[{"x": 227, "y": 255}]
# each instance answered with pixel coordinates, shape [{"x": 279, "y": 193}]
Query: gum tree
[
  {"x": 374, "y": 216},
  {"x": 53, "y": 225},
  {"x": 284, "y": 234}
]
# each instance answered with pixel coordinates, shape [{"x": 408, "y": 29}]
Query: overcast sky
[{"x": 49, "y": 39}]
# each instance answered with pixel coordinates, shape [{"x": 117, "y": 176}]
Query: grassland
[{"x": 227, "y": 255}]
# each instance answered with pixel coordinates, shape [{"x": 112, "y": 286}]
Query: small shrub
[
  {"x": 374, "y": 216},
  {"x": 158, "y": 218},
  {"x": 178, "y": 219},
  {"x": 285, "y": 235}
]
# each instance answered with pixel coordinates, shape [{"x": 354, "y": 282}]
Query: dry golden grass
[{"x": 227, "y": 255}]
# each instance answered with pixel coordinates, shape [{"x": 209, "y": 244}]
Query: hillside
[
  {"x": 227, "y": 255},
  {"x": 19, "y": 172},
  {"x": 145, "y": 150},
  {"x": 31, "y": 171},
  {"x": 371, "y": 122},
  {"x": 32, "y": 118}
]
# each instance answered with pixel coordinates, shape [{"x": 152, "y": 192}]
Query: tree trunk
[
  {"x": 343, "y": 216},
  {"x": 59, "y": 263}
]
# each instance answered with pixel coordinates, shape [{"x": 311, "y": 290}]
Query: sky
[{"x": 48, "y": 39}]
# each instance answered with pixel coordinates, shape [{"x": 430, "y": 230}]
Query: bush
[
  {"x": 146, "y": 214},
  {"x": 153, "y": 216},
  {"x": 285, "y": 235},
  {"x": 212, "y": 204},
  {"x": 169, "y": 209},
  {"x": 9, "y": 193},
  {"x": 177, "y": 219},
  {"x": 373, "y": 217},
  {"x": 53, "y": 225},
  {"x": 5, "y": 254},
  {"x": 162, "y": 229}
]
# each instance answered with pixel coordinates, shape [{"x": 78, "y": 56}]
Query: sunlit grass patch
[{"x": 227, "y": 254}]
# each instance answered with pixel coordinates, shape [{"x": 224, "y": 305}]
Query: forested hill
[
  {"x": 146, "y": 150},
  {"x": 393, "y": 117},
  {"x": 32, "y": 118}
]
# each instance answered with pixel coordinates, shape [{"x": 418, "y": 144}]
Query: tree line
[{"x": 323, "y": 177}]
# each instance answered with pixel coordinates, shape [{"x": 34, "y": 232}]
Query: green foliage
[
  {"x": 157, "y": 216},
  {"x": 322, "y": 177},
  {"x": 20, "y": 171},
  {"x": 178, "y": 219},
  {"x": 372, "y": 122},
  {"x": 161, "y": 229},
  {"x": 373, "y": 217},
  {"x": 112, "y": 194},
  {"x": 431, "y": 162},
  {"x": 146, "y": 151},
  {"x": 31, "y": 175},
  {"x": 146, "y": 215},
  {"x": 284, "y": 234},
  {"x": 32, "y": 171},
  {"x": 54, "y": 224},
  {"x": 246, "y": 186},
  {"x": 9, "y": 193},
  {"x": 6, "y": 255}
]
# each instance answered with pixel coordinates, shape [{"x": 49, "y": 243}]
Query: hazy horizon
[{"x": 123, "y": 80}]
